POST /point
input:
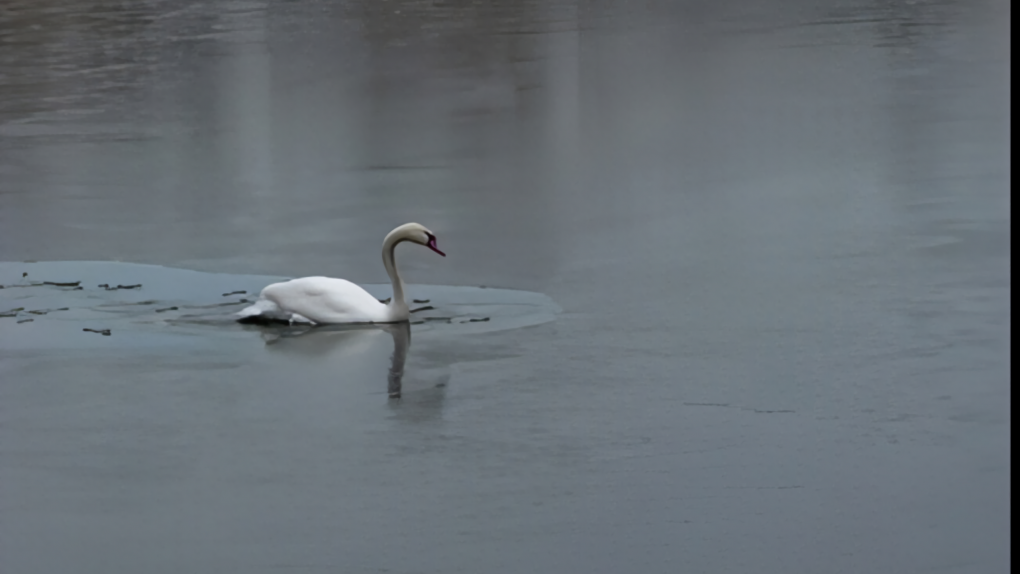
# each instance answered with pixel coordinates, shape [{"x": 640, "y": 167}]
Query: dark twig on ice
[
  {"x": 45, "y": 311},
  {"x": 425, "y": 308},
  {"x": 75, "y": 284},
  {"x": 104, "y": 332},
  {"x": 25, "y": 321},
  {"x": 108, "y": 288},
  {"x": 235, "y": 293}
]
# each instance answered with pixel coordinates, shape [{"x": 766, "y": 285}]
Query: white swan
[{"x": 327, "y": 300}]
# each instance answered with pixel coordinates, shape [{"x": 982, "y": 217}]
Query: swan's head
[{"x": 417, "y": 233}]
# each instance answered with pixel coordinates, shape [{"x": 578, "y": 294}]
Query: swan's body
[{"x": 325, "y": 300}]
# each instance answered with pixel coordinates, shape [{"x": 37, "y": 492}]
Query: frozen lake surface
[{"x": 746, "y": 269}]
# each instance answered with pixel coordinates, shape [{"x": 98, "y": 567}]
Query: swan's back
[{"x": 327, "y": 300}]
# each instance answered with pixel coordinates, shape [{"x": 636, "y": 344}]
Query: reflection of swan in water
[
  {"x": 401, "y": 333},
  {"x": 345, "y": 341}
]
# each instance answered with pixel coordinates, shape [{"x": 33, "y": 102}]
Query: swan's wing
[{"x": 326, "y": 300}]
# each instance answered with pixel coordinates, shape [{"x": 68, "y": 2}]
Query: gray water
[{"x": 777, "y": 231}]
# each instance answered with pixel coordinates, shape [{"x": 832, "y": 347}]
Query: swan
[{"x": 325, "y": 300}]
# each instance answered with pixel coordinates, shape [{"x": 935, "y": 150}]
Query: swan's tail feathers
[
  {"x": 260, "y": 307},
  {"x": 265, "y": 311}
]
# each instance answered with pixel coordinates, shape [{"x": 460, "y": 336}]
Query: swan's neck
[{"x": 389, "y": 245}]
